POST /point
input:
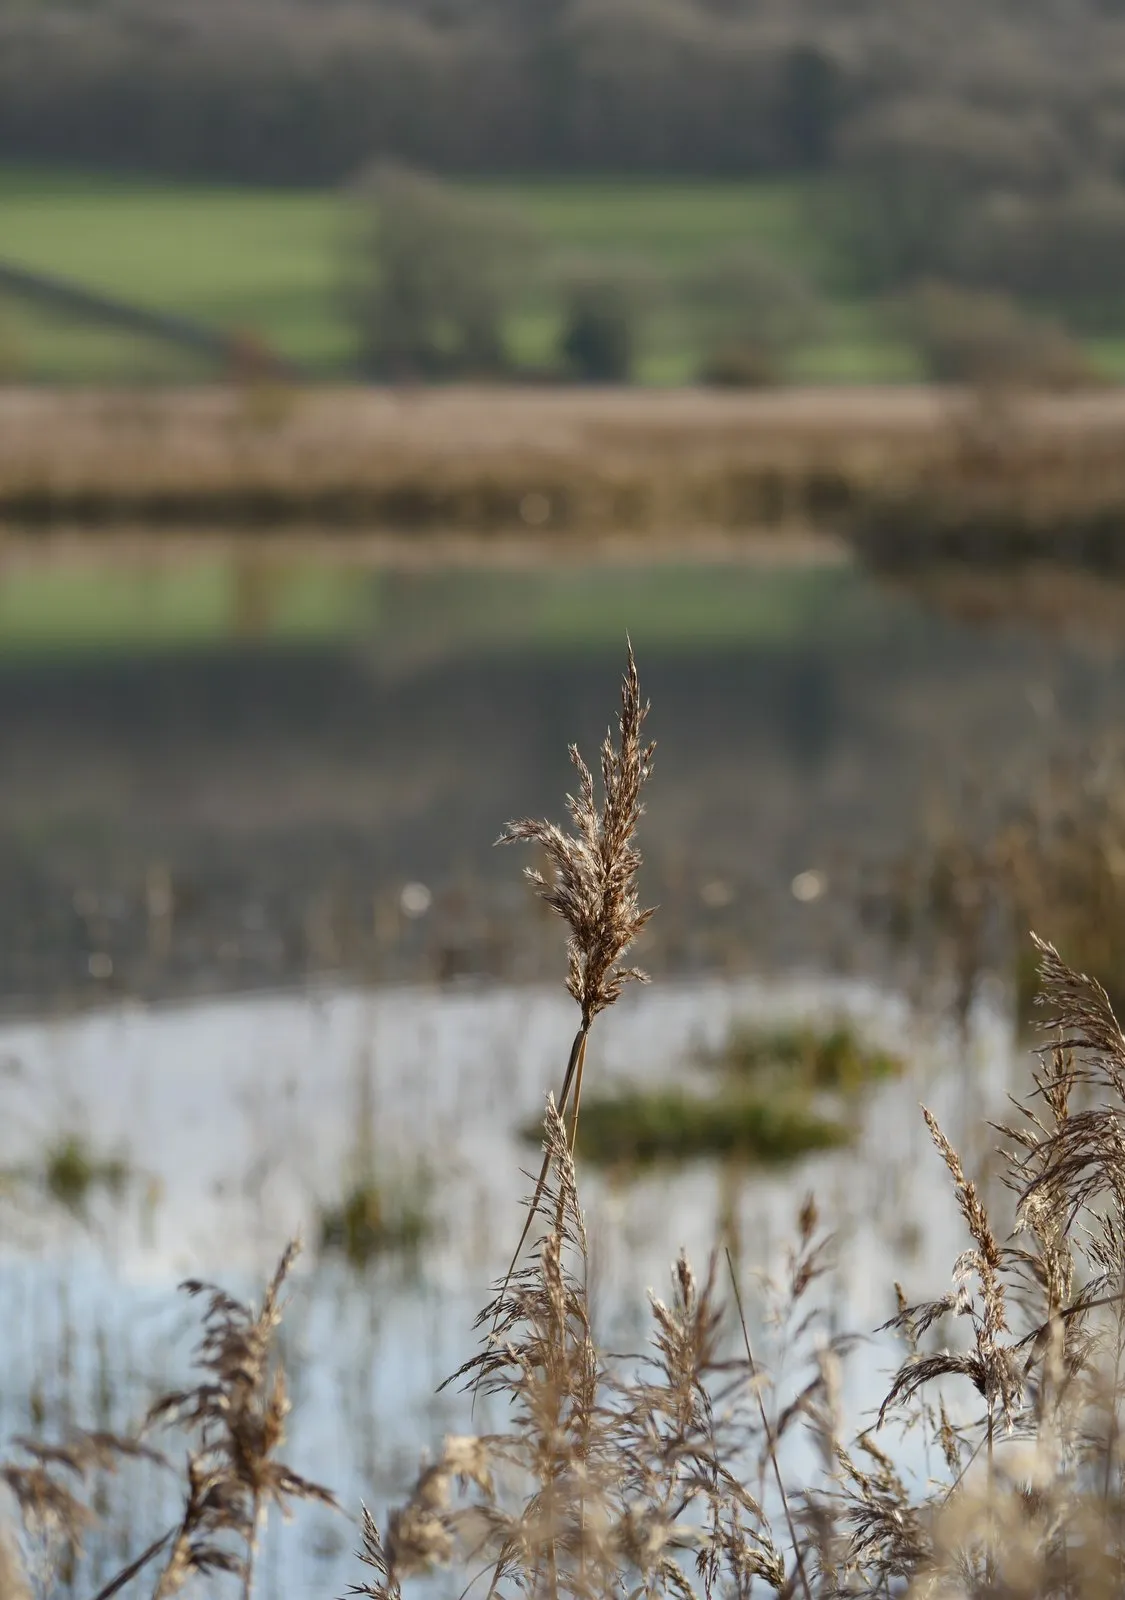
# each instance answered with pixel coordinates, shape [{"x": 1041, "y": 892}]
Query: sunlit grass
[{"x": 180, "y": 605}]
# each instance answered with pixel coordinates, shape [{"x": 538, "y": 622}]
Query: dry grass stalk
[
  {"x": 237, "y": 1414},
  {"x": 610, "y": 1478},
  {"x": 593, "y": 888},
  {"x": 46, "y": 1489}
]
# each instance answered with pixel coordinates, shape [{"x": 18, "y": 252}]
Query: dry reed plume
[
  {"x": 593, "y": 888},
  {"x": 235, "y": 1417}
]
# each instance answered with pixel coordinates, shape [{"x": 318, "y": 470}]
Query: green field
[
  {"x": 273, "y": 263},
  {"x": 267, "y": 262}
]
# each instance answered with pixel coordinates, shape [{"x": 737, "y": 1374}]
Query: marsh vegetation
[{"x": 681, "y": 1469}]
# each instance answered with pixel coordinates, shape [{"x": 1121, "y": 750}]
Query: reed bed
[
  {"x": 994, "y": 1465},
  {"x": 911, "y": 475}
]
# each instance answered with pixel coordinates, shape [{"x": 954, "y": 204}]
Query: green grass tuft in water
[
  {"x": 837, "y": 1060},
  {"x": 638, "y": 1127},
  {"x": 72, "y": 1171},
  {"x": 374, "y": 1219},
  {"x": 780, "y": 1095}
]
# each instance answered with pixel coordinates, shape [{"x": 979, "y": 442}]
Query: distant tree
[
  {"x": 1066, "y": 249},
  {"x": 439, "y": 273},
  {"x": 810, "y": 104},
  {"x": 913, "y": 170},
  {"x": 606, "y": 304},
  {"x": 987, "y": 341},
  {"x": 598, "y": 337},
  {"x": 750, "y": 313}
]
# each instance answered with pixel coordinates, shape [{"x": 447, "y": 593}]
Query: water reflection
[{"x": 222, "y": 773}]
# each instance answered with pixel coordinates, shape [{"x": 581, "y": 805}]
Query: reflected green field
[
  {"x": 222, "y": 599},
  {"x": 61, "y": 612}
]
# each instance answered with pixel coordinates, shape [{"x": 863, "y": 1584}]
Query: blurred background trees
[
  {"x": 307, "y": 91},
  {"x": 975, "y": 147},
  {"x": 750, "y": 315},
  {"x": 436, "y": 277}
]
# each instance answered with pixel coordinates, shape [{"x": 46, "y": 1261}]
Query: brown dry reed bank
[
  {"x": 912, "y": 475},
  {"x": 672, "y": 1472},
  {"x": 486, "y": 460}
]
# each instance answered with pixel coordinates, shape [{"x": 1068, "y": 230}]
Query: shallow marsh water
[
  {"x": 239, "y": 774},
  {"x": 237, "y": 1117}
]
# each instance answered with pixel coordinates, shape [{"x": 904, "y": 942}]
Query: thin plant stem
[
  {"x": 771, "y": 1442},
  {"x": 1111, "y": 1439},
  {"x": 581, "y": 1067},
  {"x": 577, "y": 1054},
  {"x": 127, "y": 1574},
  {"x": 251, "y": 1550}
]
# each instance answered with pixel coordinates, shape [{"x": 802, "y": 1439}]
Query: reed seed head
[{"x": 593, "y": 883}]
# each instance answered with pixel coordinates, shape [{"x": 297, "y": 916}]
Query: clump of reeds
[
  {"x": 236, "y": 1415},
  {"x": 665, "y": 1474},
  {"x": 610, "y": 1477},
  {"x": 235, "y": 1419}
]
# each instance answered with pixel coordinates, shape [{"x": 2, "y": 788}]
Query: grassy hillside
[{"x": 273, "y": 263}]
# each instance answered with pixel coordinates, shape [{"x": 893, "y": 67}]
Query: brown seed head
[{"x": 593, "y": 885}]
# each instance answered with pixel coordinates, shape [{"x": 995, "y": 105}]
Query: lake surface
[{"x": 251, "y": 918}]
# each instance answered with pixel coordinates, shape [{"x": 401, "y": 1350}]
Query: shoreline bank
[{"x": 906, "y": 475}]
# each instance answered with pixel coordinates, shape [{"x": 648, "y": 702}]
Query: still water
[
  {"x": 253, "y": 931},
  {"x": 222, "y": 775}
]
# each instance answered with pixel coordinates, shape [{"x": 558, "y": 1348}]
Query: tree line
[
  {"x": 976, "y": 148},
  {"x": 305, "y": 91}
]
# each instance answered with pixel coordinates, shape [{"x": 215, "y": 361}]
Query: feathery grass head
[
  {"x": 237, "y": 1413},
  {"x": 594, "y": 887}
]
